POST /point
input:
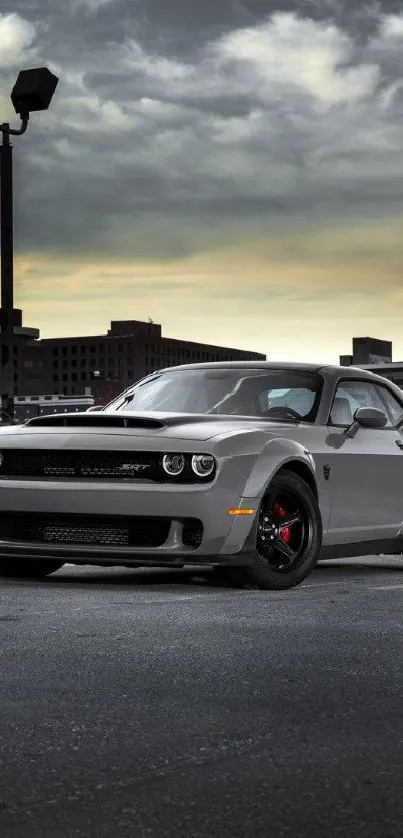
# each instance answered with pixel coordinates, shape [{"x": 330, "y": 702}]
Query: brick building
[
  {"x": 24, "y": 336},
  {"x": 106, "y": 364}
]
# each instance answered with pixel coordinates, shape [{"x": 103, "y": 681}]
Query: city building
[
  {"x": 375, "y": 355},
  {"x": 104, "y": 365},
  {"x": 23, "y": 337},
  {"x": 27, "y": 407},
  {"x": 368, "y": 351}
]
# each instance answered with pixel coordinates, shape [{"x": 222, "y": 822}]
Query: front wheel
[
  {"x": 28, "y": 569},
  {"x": 288, "y": 540}
]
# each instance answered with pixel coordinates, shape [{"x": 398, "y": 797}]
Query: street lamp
[{"x": 32, "y": 91}]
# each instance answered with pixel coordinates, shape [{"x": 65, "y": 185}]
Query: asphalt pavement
[{"x": 149, "y": 703}]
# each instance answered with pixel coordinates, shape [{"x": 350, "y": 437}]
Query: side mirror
[
  {"x": 370, "y": 417},
  {"x": 366, "y": 417}
]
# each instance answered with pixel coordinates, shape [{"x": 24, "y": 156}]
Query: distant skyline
[{"x": 232, "y": 169}]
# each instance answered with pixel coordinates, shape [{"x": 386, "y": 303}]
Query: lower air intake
[
  {"x": 192, "y": 534},
  {"x": 85, "y": 530}
]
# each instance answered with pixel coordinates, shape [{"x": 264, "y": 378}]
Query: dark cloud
[{"x": 176, "y": 125}]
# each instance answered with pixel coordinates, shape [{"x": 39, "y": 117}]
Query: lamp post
[{"x": 32, "y": 91}]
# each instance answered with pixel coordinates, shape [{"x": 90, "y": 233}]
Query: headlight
[
  {"x": 203, "y": 464},
  {"x": 173, "y": 464}
]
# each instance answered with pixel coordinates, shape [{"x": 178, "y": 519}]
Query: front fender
[{"x": 275, "y": 455}]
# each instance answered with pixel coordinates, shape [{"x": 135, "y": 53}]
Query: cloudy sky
[{"x": 231, "y": 168}]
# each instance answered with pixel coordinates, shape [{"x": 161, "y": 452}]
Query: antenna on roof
[{"x": 150, "y": 320}]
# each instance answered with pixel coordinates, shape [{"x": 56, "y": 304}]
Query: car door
[{"x": 367, "y": 469}]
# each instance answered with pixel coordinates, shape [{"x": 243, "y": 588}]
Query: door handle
[{"x": 399, "y": 443}]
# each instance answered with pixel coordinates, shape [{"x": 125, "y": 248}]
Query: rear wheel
[
  {"x": 35, "y": 569},
  {"x": 288, "y": 540}
]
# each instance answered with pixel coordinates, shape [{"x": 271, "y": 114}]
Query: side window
[
  {"x": 343, "y": 407},
  {"x": 393, "y": 407},
  {"x": 349, "y": 396}
]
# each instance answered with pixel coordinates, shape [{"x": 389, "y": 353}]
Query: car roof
[
  {"x": 272, "y": 365},
  {"x": 328, "y": 370}
]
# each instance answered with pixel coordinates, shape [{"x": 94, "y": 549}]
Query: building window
[
  {"x": 74, "y": 350},
  {"x": 83, "y": 348},
  {"x": 55, "y": 365},
  {"x": 64, "y": 376},
  {"x": 83, "y": 362},
  {"x": 92, "y": 349},
  {"x": 64, "y": 350},
  {"x": 74, "y": 376},
  {"x": 56, "y": 377},
  {"x": 74, "y": 362},
  {"x": 83, "y": 376},
  {"x": 65, "y": 364},
  {"x": 55, "y": 350}
]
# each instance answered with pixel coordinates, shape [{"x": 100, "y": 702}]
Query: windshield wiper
[
  {"x": 126, "y": 401},
  {"x": 129, "y": 398}
]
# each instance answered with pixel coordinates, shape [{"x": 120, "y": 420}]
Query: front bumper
[{"x": 226, "y": 540}]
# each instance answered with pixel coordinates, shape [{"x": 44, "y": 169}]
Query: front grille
[
  {"x": 98, "y": 465},
  {"x": 85, "y": 530},
  {"x": 74, "y": 464},
  {"x": 192, "y": 534}
]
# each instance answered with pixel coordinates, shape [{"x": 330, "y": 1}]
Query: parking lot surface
[{"x": 151, "y": 703}]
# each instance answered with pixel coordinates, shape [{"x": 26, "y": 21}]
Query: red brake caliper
[{"x": 285, "y": 533}]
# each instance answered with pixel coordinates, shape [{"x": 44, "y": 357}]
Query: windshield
[{"x": 286, "y": 395}]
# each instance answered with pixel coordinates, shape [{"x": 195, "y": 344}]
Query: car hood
[{"x": 184, "y": 426}]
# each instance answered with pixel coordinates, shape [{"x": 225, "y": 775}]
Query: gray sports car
[{"x": 257, "y": 469}]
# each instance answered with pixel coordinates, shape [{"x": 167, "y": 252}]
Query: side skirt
[{"x": 386, "y": 547}]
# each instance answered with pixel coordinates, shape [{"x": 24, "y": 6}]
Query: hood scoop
[{"x": 94, "y": 420}]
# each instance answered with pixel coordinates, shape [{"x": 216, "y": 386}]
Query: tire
[
  {"x": 28, "y": 569},
  {"x": 271, "y": 569}
]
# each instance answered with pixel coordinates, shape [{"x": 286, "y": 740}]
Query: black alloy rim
[{"x": 284, "y": 530}]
